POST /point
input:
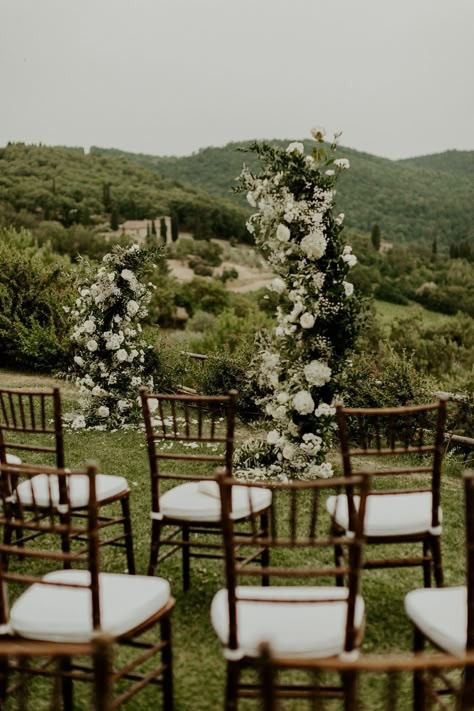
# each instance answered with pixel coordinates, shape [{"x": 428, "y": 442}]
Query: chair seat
[
  {"x": 441, "y": 614},
  {"x": 306, "y": 629},
  {"x": 13, "y": 459},
  {"x": 200, "y": 501},
  {"x": 388, "y": 514},
  {"x": 61, "y": 614},
  {"x": 107, "y": 486}
]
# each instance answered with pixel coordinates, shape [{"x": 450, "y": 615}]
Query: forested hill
[
  {"x": 66, "y": 185},
  {"x": 416, "y": 199}
]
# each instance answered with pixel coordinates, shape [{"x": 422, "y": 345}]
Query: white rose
[
  {"x": 273, "y": 436},
  {"x": 79, "y": 360},
  {"x": 342, "y": 163},
  {"x": 122, "y": 355},
  {"x": 348, "y": 288},
  {"x": 317, "y": 373},
  {"x": 339, "y": 219},
  {"x": 280, "y": 412},
  {"x": 278, "y": 285},
  {"x": 251, "y": 200},
  {"x": 295, "y": 147},
  {"x": 79, "y": 422},
  {"x": 329, "y": 172},
  {"x": 314, "y": 245},
  {"x": 282, "y": 398},
  {"x": 307, "y": 320},
  {"x": 132, "y": 308},
  {"x": 127, "y": 274},
  {"x": 103, "y": 411},
  {"x": 91, "y": 345},
  {"x": 123, "y": 405},
  {"x": 282, "y": 233},
  {"x": 288, "y": 451},
  {"x": 89, "y": 326},
  {"x": 97, "y": 390},
  {"x": 303, "y": 402}
]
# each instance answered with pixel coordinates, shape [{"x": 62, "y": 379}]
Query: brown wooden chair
[
  {"x": 302, "y": 614},
  {"x": 31, "y": 425},
  {"x": 187, "y": 437},
  {"x": 76, "y": 604},
  {"x": 404, "y": 502},
  {"x": 23, "y": 661},
  {"x": 445, "y": 616},
  {"x": 370, "y": 682}
]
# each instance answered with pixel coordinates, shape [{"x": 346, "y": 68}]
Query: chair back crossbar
[{"x": 48, "y": 531}]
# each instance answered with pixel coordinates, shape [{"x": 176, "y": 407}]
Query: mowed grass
[
  {"x": 388, "y": 312},
  {"x": 198, "y": 664}
]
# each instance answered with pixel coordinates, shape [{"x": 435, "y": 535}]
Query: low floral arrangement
[
  {"x": 110, "y": 361},
  {"x": 317, "y": 320}
]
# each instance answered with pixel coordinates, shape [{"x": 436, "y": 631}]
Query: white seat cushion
[
  {"x": 193, "y": 502},
  {"x": 107, "y": 486},
  {"x": 306, "y": 629},
  {"x": 13, "y": 459},
  {"x": 64, "y": 614},
  {"x": 388, "y": 514},
  {"x": 441, "y": 614}
]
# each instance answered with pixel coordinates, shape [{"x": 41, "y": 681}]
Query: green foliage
[
  {"x": 203, "y": 294},
  {"x": 77, "y": 240},
  {"x": 229, "y": 331},
  {"x": 376, "y": 237},
  {"x": 163, "y": 230},
  {"x": 34, "y": 287}
]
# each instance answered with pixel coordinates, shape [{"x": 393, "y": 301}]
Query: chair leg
[
  {"x": 154, "y": 546},
  {"x": 66, "y": 684},
  {"x": 265, "y": 557},
  {"x": 338, "y": 556},
  {"x": 232, "y": 686},
  {"x": 349, "y": 685},
  {"x": 4, "y": 666},
  {"x": 167, "y": 660},
  {"x": 127, "y": 529},
  {"x": 427, "y": 563},
  {"x": 437, "y": 561},
  {"x": 186, "y": 559},
  {"x": 418, "y": 685}
]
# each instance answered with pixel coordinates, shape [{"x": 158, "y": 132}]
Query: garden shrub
[{"x": 35, "y": 285}]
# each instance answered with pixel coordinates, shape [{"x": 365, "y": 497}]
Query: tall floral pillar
[{"x": 297, "y": 364}]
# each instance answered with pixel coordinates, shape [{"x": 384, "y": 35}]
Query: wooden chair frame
[
  {"x": 26, "y": 413},
  {"x": 298, "y": 533},
  {"x": 57, "y": 522},
  {"x": 199, "y": 414},
  {"x": 23, "y": 659},
  {"x": 430, "y": 668},
  {"x": 373, "y": 447}
]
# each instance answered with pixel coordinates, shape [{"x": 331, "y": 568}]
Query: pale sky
[{"x": 167, "y": 77}]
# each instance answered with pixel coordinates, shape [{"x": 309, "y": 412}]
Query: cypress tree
[
  {"x": 114, "y": 219},
  {"x": 375, "y": 237},
  {"x": 163, "y": 230},
  {"x": 174, "y": 227}
]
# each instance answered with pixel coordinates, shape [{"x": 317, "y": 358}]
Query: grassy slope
[
  {"x": 198, "y": 664},
  {"x": 388, "y": 312},
  {"x": 410, "y": 200}
]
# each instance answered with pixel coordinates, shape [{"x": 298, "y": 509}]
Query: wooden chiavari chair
[
  {"x": 63, "y": 596},
  {"x": 31, "y": 425},
  {"x": 372, "y": 682},
  {"x": 302, "y": 613},
  {"x": 23, "y": 662},
  {"x": 445, "y": 616},
  {"x": 409, "y": 441},
  {"x": 187, "y": 437}
]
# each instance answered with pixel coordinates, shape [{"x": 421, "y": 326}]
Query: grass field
[
  {"x": 388, "y": 312},
  {"x": 198, "y": 663}
]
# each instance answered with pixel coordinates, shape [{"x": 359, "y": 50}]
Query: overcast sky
[{"x": 168, "y": 77}]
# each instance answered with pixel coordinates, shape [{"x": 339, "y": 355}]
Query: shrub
[{"x": 35, "y": 285}]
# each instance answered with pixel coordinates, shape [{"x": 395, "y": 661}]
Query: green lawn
[
  {"x": 198, "y": 664},
  {"x": 388, "y": 312}
]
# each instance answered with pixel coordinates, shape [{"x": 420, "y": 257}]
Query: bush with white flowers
[
  {"x": 317, "y": 321},
  {"x": 110, "y": 361}
]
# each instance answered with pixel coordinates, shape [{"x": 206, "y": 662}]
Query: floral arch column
[{"x": 317, "y": 320}]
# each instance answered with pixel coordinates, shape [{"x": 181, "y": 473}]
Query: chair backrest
[
  {"x": 31, "y": 425},
  {"x": 301, "y": 551},
  {"x": 371, "y": 681},
  {"x": 395, "y": 434},
  {"x": 45, "y": 526},
  {"x": 187, "y": 436},
  {"x": 469, "y": 518},
  {"x": 22, "y": 659}
]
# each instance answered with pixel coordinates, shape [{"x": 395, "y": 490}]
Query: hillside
[
  {"x": 416, "y": 199},
  {"x": 65, "y": 184}
]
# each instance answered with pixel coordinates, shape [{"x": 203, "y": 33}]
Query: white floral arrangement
[
  {"x": 317, "y": 319},
  {"x": 110, "y": 350}
]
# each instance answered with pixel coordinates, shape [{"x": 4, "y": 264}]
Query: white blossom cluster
[
  {"x": 109, "y": 360},
  {"x": 296, "y": 229}
]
